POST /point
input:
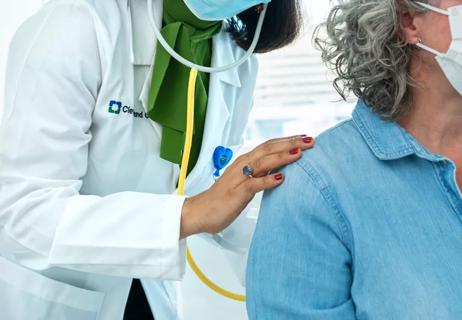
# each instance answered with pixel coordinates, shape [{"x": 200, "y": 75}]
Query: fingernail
[
  {"x": 307, "y": 139},
  {"x": 294, "y": 151},
  {"x": 278, "y": 177}
]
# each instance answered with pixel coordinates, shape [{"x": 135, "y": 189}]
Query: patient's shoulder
[
  {"x": 312, "y": 184},
  {"x": 338, "y": 151},
  {"x": 342, "y": 139}
]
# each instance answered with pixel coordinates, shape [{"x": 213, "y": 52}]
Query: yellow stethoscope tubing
[{"x": 181, "y": 185}]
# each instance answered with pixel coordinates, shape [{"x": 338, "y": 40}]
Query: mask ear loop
[
  {"x": 433, "y": 8},
  {"x": 427, "y": 48}
]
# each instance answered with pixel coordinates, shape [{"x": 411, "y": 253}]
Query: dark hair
[{"x": 282, "y": 25}]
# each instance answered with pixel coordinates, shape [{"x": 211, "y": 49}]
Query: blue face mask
[{"x": 215, "y": 10}]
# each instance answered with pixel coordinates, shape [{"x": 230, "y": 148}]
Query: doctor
[{"x": 90, "y": 144}]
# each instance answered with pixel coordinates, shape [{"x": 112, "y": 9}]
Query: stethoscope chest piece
[{"x": 221, "y": 158}]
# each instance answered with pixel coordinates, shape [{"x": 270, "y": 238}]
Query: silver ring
[{"x": 247, "y": 171}]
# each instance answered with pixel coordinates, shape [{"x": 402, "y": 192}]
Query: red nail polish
[
  {"x": 293, "y": 151},
  {"x": 278, "y": 177},
  {"x": 307, "y": 140}
]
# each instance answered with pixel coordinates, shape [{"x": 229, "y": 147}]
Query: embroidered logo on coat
[{"x": 117, "y": 107}]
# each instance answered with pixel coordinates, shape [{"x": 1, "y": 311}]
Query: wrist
[{"x": 189, "y": 225}]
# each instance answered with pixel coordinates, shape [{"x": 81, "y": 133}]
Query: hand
[{"x": 215, "y": 209}]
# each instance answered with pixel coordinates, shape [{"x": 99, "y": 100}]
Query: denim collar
[{"x": 387, "y": 139}]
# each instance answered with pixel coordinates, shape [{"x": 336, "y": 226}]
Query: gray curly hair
[{"x": 362, "y": 44}]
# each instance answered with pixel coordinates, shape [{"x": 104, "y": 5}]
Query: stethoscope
[
  {"x": 192, "y": 65},
  {"x": 190, "y": 124}
]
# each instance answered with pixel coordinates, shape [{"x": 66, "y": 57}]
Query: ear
[{"x": 409, "y": 31}]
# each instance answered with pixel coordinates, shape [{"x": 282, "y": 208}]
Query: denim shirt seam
[
  {"x": 326, "y": 192},
  {"x": 447, "y": 192}
]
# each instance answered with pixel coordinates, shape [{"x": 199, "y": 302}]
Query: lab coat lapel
[
  {"x": 144, "y": 49},
  {"x": 143, "y": 38},
  {"x": 143, "y": 46},
  {"x": 222, "y": 88}
]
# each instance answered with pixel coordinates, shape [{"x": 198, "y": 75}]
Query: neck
[{"x": 435, "y": 116}]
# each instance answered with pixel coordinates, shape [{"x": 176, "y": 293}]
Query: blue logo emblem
[
  {"x": 115, "y": 107},
  {"x": 221, "y": 158}
]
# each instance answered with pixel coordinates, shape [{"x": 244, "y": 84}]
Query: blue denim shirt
[{"x": 366, "y": 226}]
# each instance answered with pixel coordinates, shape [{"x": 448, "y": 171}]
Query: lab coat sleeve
[
  {"x": 300, "y": 262},
  {"x": 54, "y": 74}
]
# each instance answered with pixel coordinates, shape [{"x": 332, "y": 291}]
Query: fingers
[
  {"x": 276, "y": 140},
  {"x": 267, "y": 157},
  {"x": 255, "y": 185},
  {"x": 273, "y": 161},
  {"x": 271, "y": 155},
  {"x": 282, "y": 145}
]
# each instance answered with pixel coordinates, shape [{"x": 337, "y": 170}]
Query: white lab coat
[{"x": 86, "y": 203}]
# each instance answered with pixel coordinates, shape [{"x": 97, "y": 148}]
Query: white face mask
[
  {"x": 450, "y": 62},
  {"x": 192, "y": 65}
]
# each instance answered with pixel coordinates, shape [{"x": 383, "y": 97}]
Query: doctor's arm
[{"x": 299, "y": 263}]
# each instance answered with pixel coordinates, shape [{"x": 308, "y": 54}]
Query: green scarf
[{"x": 192, "y": 39}]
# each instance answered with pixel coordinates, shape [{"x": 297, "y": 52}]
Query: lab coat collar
[
  {"x": 143, "y": 44},
  {"x": 143, "y": 41},
  {"x": 225, "y": 53}
]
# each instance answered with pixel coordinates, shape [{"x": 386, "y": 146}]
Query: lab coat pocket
[{"x": 25, "y": 294}]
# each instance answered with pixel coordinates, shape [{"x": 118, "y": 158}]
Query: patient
[{"x": 368, "y": 225}]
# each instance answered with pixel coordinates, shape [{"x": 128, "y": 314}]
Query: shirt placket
[{"x": 447, "y": 175}]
